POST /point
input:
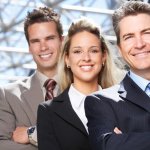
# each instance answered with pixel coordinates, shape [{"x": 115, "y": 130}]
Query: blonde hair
[{"x": 106, "y": 77}]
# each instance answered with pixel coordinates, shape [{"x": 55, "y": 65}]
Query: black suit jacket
[
  {"x": 124, "y": 106},
  {"x": 59, "y": 127}
]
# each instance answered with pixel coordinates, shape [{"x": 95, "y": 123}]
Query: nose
[
  {"x": 139, "y": 43},
  {"x": 86, "y": 56},
  {"x": 43, "y": 46}
]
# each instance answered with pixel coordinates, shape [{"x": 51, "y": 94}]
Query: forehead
[
  {"x": 134, "y": 23},
  {"x": 43, "y": 25},
  {"x": 84, "y": 36},
  {"x": 39, "y": 29}
]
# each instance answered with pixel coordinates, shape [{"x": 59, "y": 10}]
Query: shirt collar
[
  {"x": 141, "y": 82},
  {"x": 76, "y": 97},
  {"x": 42, "y": 78}
]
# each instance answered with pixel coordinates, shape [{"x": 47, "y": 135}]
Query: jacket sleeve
[
  {"x": 7, "y": 126},
  {"x": 45, "y": 130},
  {"x": 101, "y": 123}
]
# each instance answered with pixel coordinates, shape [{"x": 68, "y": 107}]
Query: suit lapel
[
  {"x": 32, "y": 96},
  {"x": 64, "y": 110},
  {"x": 132, "y": 92}
]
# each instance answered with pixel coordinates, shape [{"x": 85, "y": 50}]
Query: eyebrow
[
  {"x": 34, "y": 39},
  {"x": 90, "y": 46},
  {"x": 48, "y": 36},
  {"x": 76, "y": 47},
  {"x": 129, "y": 34},
  {"x": 146, "y": 29},
  {"x": 80, "y": 47}
]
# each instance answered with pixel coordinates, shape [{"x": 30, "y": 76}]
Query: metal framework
[{"x": 14, "y": 57}]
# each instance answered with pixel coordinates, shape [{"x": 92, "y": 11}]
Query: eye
[
  {"x": 50, "y": 38},
  {"x": 34, "y": 41},
  {"x": 128, "y": 37},
  {"x": 147, "y": 32},
  {"x": 77, "y": 51},
  {"x": 95, "y": 50}
]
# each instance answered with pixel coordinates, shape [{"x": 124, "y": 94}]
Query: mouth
[
  {"x": 45, "y": 55},
  {"x": 142, "y": 53},
  {"x": 86, "y": 67}
]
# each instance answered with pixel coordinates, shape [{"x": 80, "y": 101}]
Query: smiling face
[
  {"x": 85, "y": 57},
  {"x": 44, "y": 45},
  {"x": 135, "y": 43}
]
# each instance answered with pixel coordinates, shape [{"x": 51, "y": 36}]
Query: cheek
[
  {"x": 55, "y": 44},
  {"x": 124, "y": 52},
  {"x": 72, "y": 63},
  {"x": 34, "y": 49},
  {"x": 73, "y": 60},
  {"x": 126, "y": 47},
  {"x": 99, "y": 59}
]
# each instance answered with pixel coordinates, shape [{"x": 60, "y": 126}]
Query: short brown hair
[
  {"x": 127, "y": 9},
  {"x": 42, "y": 14}
]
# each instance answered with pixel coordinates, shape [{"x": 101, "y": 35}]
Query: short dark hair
[
  {"x": 42, "y": 14},
  {"x": 127, "y": 9}
]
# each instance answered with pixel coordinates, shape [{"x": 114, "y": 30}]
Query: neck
[
  {"x": 86, "y": 88},
  {"x": 144, "y": 74},
  {"x": 48, "y": 73}
]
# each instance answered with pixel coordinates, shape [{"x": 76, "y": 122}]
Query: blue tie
[{"x": 147, "y": 90}]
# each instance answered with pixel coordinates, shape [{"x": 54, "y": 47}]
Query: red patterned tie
[{"x": 49, "y": 86}]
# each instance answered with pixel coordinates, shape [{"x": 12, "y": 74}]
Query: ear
[
  {"x": 62, "y": 38},
  {"x": 67, "y": 60},
  {"x": 104, "y": 56}
]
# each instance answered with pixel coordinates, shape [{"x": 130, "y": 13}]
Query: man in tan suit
[{"x": 19, "y": 101}]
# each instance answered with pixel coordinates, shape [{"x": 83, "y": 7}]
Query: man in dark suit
[
  {"x": 119, "y": 117},
  {"x": 19, "y": 101}
]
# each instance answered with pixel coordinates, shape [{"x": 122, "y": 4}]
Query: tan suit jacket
[{"x": 18, "y": 107}]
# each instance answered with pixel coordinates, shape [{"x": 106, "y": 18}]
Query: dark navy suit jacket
[{"x": 124, "y": 106}]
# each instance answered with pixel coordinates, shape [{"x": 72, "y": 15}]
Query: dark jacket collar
[
  {"x": 62, "y": 107},
  {"x": 130, "y": 91}
]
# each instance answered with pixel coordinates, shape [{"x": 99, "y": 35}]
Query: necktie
[
  {"x": 49, "y": 86},
  {"x": 147, "y": 90}
]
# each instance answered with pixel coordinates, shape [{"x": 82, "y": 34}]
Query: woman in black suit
[{"x": 85, "y": 66}]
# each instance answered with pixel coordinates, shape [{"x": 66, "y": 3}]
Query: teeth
[
  {"x": 143, "y": 53},
  {"x": 86, "y": 67},
  {"x": 45, "y": 55}
]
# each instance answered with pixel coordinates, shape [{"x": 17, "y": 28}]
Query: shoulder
[
  {"x": 56, "y": 101},
  {"x": 20, "y": 83},
  {"x": 15, "y": 84},
  {"x": 109, "y": 93}
]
